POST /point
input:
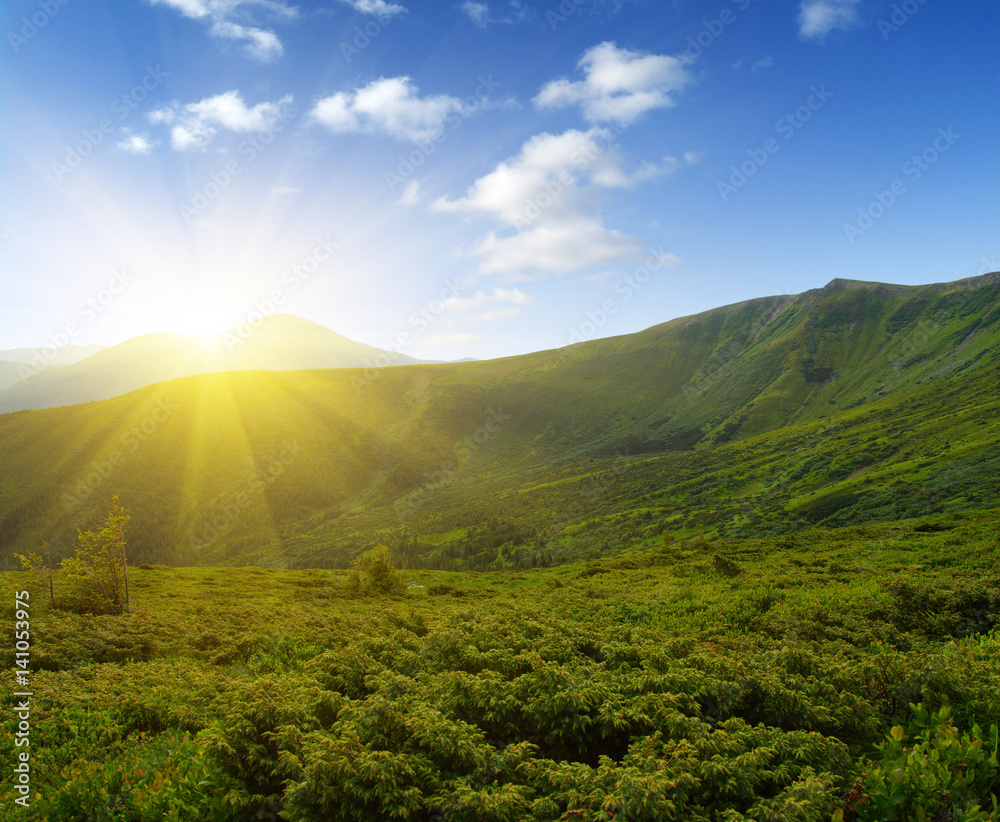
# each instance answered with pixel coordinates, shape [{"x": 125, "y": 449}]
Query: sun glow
[
  {"x": 213, "y": 342},
  {"x": 205, "y": 322}
]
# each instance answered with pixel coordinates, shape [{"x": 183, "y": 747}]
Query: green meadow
[{"x": 848, "y": 673}]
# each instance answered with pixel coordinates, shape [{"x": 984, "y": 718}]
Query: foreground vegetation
[{"x": 840, "y": 674}]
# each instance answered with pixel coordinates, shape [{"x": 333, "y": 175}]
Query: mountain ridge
[
  {"x": 451, "y": 447},
  {"x": 277, "y": 342}
]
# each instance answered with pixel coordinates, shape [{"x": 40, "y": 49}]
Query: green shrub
[
  {"x": 375, "y": 575},
  {"x": 725, "y": 566},
  {"x": 942, "y": 774},
  {"x": 99, "y": 568}
]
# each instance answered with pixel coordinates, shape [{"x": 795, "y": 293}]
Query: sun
[
  {"x": 207, "y": 327},
  {"x": 205, "y": 321},
  {"x": 212, "y": 343}
]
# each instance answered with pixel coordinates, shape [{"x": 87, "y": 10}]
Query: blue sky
[{"x": 483, "y": 178}]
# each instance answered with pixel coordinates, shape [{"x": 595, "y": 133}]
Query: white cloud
[
  {"x": 511, "y": 297},
  {"x": 817, "y": 18},
  {"x": 389, "y": 105},
  {"x": 764, "y": 63},
  {"x": 619, "y": 84},
  {"x": 189, "y": 8},
  {"x": 548, "y": 177},
  {"x": 378, "y": 8},
  {"x": 478, "y": 13},
  {"x": 547, "y": 194},
  {"x": 285, "y": 190},
  {"x": 557, "y": 247},
  {"x": 540, "y": 172},
  {"x": 194, "y": 125},
  {"x": 693, "y": 157},
  {"x": 483, "y": 17},
  {"x": 410, "y": 195},
  {"x": 135, "y": 144},
  {"x": 235, "y": 20},
  {"x": 499, "y": 314}
]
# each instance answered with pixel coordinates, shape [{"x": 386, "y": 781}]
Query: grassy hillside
[
  {"x": 854, "y": 402},
  {"x": 852, "y": 675}
]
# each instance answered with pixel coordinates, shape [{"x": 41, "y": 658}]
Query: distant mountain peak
[{"x": 275, "y": 342}]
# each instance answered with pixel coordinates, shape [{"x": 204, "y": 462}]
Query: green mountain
[
  {"x": 39, "y": 357},
  {"x": 17, "y": 364},
  {"x": 278, "y": 342},
  {"x": 855, "y": 402}
]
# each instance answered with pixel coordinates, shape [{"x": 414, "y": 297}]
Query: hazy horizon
[
  {"x": 253, "y": 319},
  {"x": 541, "y": 172}
]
